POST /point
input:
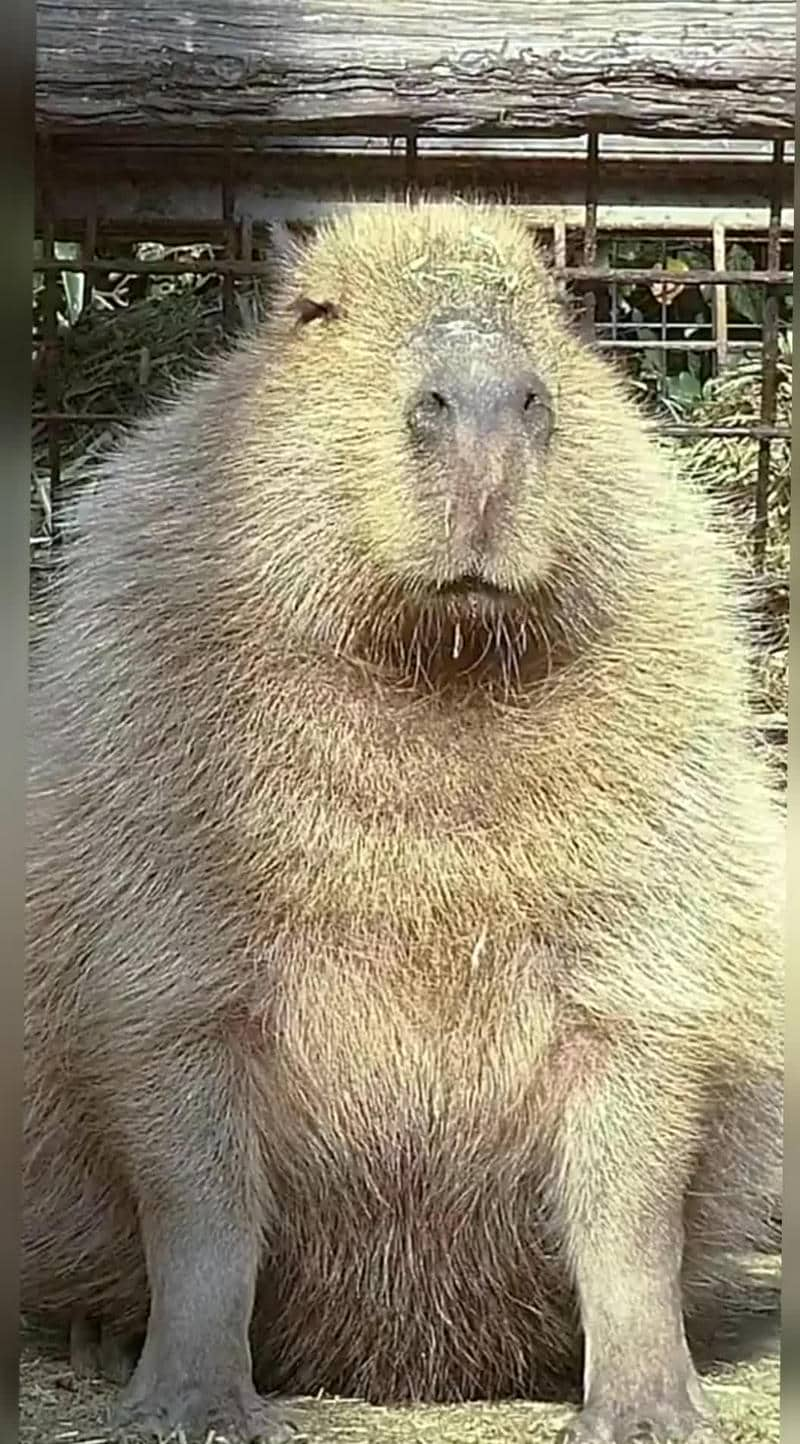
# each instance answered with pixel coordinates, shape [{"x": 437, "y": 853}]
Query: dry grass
[
  {"x": 728, "y": 467},
  {"x": 123, "y": 357},
  {"x": 740, "y": 1364},
  {"x": 57, "y": 1408}
]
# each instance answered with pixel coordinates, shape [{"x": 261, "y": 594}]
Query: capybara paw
[
  {"x": 198, "y": 1416},
  {"x": 656, "y": 1422}
]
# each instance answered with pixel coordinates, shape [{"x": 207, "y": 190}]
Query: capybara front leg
[
  {"x": 623, "y": 1160},
  {"x": 200, "y": 1211}
]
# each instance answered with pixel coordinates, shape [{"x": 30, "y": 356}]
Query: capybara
[{"x": 406, "y": 885}]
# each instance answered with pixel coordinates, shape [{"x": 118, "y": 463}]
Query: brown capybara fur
[{"x": 405, "y": 887}]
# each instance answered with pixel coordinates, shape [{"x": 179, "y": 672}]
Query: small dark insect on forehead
[{"x": 307, "y": 310}]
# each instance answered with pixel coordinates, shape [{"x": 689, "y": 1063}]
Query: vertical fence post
[
  {"x": 411, "y": 181},
  {"x": 246, "y": 254},
  {"x": 560, "y": 249},
  {"x": 229, "y": 318},
  {"x": 51, "y": 343},
  {"x": 719, "y": 298},
  {"x": 590, "y": 225},
  {"x": 769, "y": 359},
  {"x": 89, "y": 248}
]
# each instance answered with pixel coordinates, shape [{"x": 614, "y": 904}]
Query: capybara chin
[{"x": 406, "y": 889}]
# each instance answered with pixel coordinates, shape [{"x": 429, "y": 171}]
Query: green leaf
[
  {"x": 695, "y": 363},
  {"x": 684, "y": 388},
  {"x": 739, "y": 259},
  {"x": 749, "y": 302},
  {"x": 695, "y": 259},
  {"x": 74, "y": 289},
  {"x": 654, "y": 363},
  {"x": 74, "y": 282}
]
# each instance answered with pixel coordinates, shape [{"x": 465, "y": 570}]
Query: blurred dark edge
[
  {"x": 790, "y": 1332},
  {"x": 17, "y": 63}
]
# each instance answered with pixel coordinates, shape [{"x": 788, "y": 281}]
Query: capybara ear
[{"x": 307, "y": 310}]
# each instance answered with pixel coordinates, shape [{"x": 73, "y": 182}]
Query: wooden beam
[{"x": 458, "y": 67}]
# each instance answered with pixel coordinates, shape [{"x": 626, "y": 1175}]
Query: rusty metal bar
[
  {"x": 89, "y": 246},
  {"x": 613, "y": 297},
  {"x": 50, "y": 347},
  {"x": 231, "y": 244},
  {"x": 774, "y": 433},
  {"x": 600, "y": 275},
  {"x": 632, "y": 275},
  {"x": 246, "y": 238},
  {"x": 687, "y": 344},
  {"x": 560, "y": 248},
  {"x": 51, "y": 344},
  {"x": 590, "y": 225},
  {"x": 612, "y": 220},
  {"x": 411, "y": 174},
  {"x": 769, "y": 361},
  {"x": 91, "y": 418},
  {"x": 663, "y": 309},
  {"x": 245, "y": 244}
]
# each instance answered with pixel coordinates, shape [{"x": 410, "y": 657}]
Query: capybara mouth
[{"x": 471, "y": 584}]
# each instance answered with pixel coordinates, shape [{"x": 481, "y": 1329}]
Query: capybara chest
[
  {"x": 387, "y": 1039},
  {"x": 399, "y": 1058}
]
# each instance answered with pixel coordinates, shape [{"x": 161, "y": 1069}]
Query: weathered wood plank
[{"x": 245, "y": 67}]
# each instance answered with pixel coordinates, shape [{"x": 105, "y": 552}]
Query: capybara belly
[
  {"x": 412, "y": 1256},
  {"x": 422, "y": 1274}
]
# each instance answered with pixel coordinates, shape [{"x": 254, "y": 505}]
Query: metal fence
[{"x": 238, "y": 237}]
